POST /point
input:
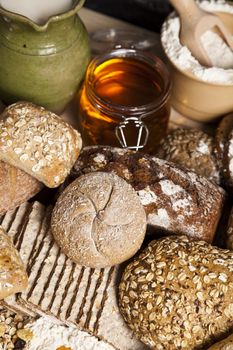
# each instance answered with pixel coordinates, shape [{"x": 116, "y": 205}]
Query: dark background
[{"x": 148, "y": 14}]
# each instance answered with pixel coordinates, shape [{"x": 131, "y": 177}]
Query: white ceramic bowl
[{"x": 197, "y": 99}]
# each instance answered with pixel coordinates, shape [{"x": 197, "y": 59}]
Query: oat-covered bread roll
[
  {"x": 225, "y": 344},
  {"x": 98, "y": 220},
  {"x": 13, "y": 277},
  {"x": 16, "y": 187},
  {"x": 178, "y": 294},
  {"x": 38, "y": 142},
  {"x": 176, "y": 201},
  {"x": 192, "y": 149}
]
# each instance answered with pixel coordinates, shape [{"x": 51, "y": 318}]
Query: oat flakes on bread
[
  {"x": 13, "y": 277},
  {"x": 178, "y": 294},
  {"x": 98, "y": 220},
  {"x": 38, "y": 142},
  {"x": 16, "y": 187},
  {"x": 176, "y": 201},
  {"x": 192, "y": 149}
]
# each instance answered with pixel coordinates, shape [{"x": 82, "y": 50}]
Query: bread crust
[
  {"x": 229, "y": 231},
  {"x": 98, "y": 220},
  {"x": 224, "y": 151},
  {"x": 177, "y": 294},
  {"x": 38, "y": 142},
  {"x": 13, "y": 277},
  {"x": 225, "y": 344},
  {"x": 16, "y": 187},
  {"x": 192, "y": 149},
  {"x": 176, "y": 201}
]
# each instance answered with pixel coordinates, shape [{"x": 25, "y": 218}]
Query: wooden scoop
[{"x": 194, "y": 23}]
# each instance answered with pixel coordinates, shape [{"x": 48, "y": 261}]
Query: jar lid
[{"x": 109, "y": 39}]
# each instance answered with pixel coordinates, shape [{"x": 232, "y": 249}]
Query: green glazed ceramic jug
[{"x": 44, "y": 63}]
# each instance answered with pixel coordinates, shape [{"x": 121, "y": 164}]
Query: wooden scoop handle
[{"x": 187, "y": 9}]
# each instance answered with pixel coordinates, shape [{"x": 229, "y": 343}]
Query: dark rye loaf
[{"x": 176, "y": 201}]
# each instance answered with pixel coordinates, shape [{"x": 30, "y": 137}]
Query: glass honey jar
[{"x": 125, "y": 100}]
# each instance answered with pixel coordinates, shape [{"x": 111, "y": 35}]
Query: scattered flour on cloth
[{"x": 48, "y": 335}]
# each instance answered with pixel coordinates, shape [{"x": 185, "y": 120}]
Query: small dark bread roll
[
  {"x": 228, "y": 163},
  {"x": 224, "y": 148},
  {"x": 16, "y": 187},
  {"x": 98, "y": 220},
  {"x": 222, "y": 134},
  {"x": 229, "y": 234},
  {"x": 192, "y": 149},
  {"x": 178, "y": 294}
]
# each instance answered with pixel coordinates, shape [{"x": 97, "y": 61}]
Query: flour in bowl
[{"x": 220, "y": 54}]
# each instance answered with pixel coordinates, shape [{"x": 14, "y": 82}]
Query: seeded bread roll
[
  {"x": 98, "y": 220},
  {"x": 13, "y": 277},
  {"x": 16, "y": 187},
  {"x": 178, "y": 294},
  {"x": 192, "y": 149},
  {"x": 38, "y": 142},
  {"x": 176, "y": 201}
]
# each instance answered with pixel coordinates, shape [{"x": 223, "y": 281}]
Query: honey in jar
[{"x": 124, "y": 101}]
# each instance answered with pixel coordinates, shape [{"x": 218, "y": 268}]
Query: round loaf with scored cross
[
  {"x": 98, "y": 220},
  {"x": 178, "y": 294},
  {"x": 38, "y": 142},
  {"x": 176, "y": 201}
]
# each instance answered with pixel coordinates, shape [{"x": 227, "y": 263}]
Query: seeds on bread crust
[
  {"x": 38, "y": 142},
  {"x": 192, "y": 149},
  {"x": 189, "y": 303}
]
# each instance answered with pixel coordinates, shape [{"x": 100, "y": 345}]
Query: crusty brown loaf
[
  {"x": 178, "y": 294},
  {"x": 38, "y": 142},
  {"x": 192, "y": 149},
  {"x": 13, "y": 277},
  {"x": 176, "y": 201},
  {"x": 98, "y": 220},
  {"x": 16, "y": 187}
]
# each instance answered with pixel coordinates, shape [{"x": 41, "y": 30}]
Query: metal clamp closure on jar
[{"x": 141, "y": 130}]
